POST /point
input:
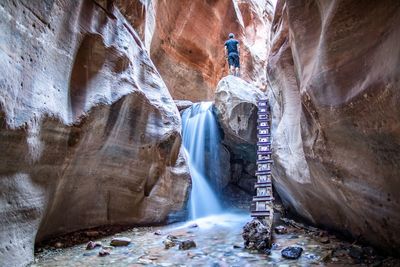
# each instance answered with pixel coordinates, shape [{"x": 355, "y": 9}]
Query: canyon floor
[{"x": 218, "y": 243}]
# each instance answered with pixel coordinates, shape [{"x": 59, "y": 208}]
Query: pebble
[
  {"x": 280, "y": 230},
  {"x": 91, "y": 245},
  {"x": 103, "y": 253},
  {"x": 120, "y": 241},
  {"x": 158, "y": 232},
  {"x": 187, "y": 244},
  {"x": 195, "y": 225},
  {"x": 237, "y": 246},
  {"x": 169, "y": 244},
  {"x": 58, "y": 245},
  {"x": 356, "y": 252},
  {"x": 292, "y": 252}
]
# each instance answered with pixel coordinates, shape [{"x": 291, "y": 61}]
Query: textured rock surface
[
  {"x": 257, "y": 235},
  {"x": 236, "y": 109},
  {"x": 89, "y": 134},
  {"x": 186, "y": 41},
  {"x": 334, "y": 70}
]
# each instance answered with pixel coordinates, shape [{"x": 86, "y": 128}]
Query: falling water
[{"x": 201, "y": 141}]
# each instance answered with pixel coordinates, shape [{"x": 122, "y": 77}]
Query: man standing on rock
[{"x": 232, "y": 54}]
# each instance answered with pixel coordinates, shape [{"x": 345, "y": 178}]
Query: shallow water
[{"x": 215, "y": 237}]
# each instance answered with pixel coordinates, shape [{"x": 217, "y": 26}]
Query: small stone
[
  {"x": 187, "y": 244},
  {"x": 120, "y": 241},
  {"x": 92, "y": 233},
  {"x": 104, "y": 252},
  {"x": 280, "y": 230},
  {"x": 169, "y": 244},
  {"x": 195, "y": 225},
  {"x": 324, "y": 240},
  {"x": 292, "y": 252},
  {"x": 356, "y": 252},
  {"x": 172, "y": 237},
  {"x": 58, "y": 245},
  {"x": 237, "y": 246},
  {"x": 158, "y": 232},
  {"x": 91, "y": 245}
]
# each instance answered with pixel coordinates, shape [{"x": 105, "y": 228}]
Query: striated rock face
[
  {"x": 334, "y": 71},
  {"x": 89, "y": 134},
  {"x": 236, "y": 109},
  {"x": 186, "y": 41}
]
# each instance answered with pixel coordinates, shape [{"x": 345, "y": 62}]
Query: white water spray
[{"x": 201, "y": 139}]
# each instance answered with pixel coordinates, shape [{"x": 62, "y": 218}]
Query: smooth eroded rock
[
  {"x": 89, "y": 134},
  {"x": 292, "y": 253},
  {"x": 334, "y": 75},
  {"x": 120, "y": 241}
]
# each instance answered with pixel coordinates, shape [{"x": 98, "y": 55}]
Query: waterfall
[{"x": 201, "y": 140}]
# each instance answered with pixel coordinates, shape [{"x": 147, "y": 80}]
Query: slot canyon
[{"x": 127, "y": 140}]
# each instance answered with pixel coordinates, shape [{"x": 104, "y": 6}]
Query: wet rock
[
  {"x": 104, "y": 252},
  {"x": 281, "y": 230},
  {"x": 187, "y": 244},
  {"x": 120, "y": 241},
  {"x": 292, "y": 252},
  {"x": 195, "y": 225},
  {"x": 356, "y": 252},
  {"x": 158, "y": 232},
  {"x": 169, "y": 244},
  {"x": 92, "y": 245},
  {"x": 327, "y": 256},
  {"x": 237, "y": 246},
  {"x": 256, "y": 235}
]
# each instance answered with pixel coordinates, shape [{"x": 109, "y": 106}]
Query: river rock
[
  {"x": 292, "y": 253},
  {"x": 89, "y": 133},
  {"x": 281, "y": 230},
  {"x": 169, "y": 243},
  {"x": 336, "y": 117},
  {"x": 187, "y": 244},
  {"x": 104, "y": 252},
  {"x": 257, "y": 235},
  {"x": 120, "y": 241},
  {"x": 92, "y": 245}
]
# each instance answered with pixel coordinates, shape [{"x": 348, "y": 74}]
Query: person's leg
[
  {"x": 231, "y": 70},
  {"x": 237, "y": 65},
  {"x": 237, "y": 72}
]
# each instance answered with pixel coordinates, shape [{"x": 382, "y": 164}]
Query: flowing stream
[{"x": 201, "y": 140}]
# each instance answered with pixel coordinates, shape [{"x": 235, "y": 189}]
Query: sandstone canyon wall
[
  {"x": 186, "y": 40},
  {"x": 335, "y": 79},
  {"x": 89, "y": 134}
]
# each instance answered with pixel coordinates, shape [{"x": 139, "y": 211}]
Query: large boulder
[
  {"x": 89, "y": 134},
  {"x": 334, "y": 72},
  {"x": 186, "y": 40},
  {"x": 236, "y": 108}
]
